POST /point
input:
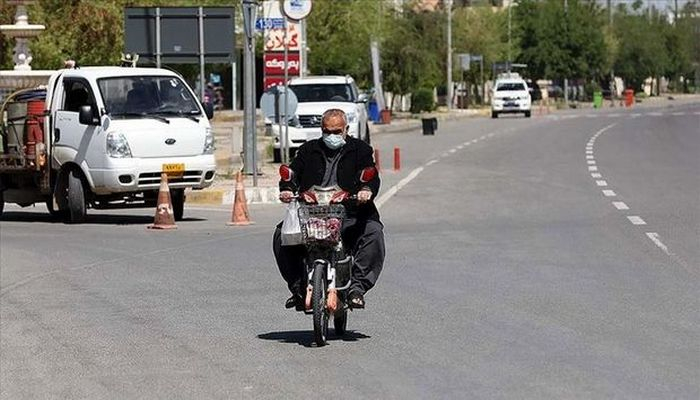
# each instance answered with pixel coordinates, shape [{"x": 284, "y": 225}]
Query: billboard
[{"x": 180, "y": 34}]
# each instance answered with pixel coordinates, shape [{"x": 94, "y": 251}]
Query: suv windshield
[
  {"x": 323, "y": 92},
  {"x": 510, "y": 86},
  {"x": 143, "y": 95}
]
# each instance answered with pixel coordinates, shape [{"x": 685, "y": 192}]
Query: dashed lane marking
[
  {"x": 601, "y": 183},
  {"x": 609, "y": 193},
  {"x": 636, "y": 220},
  {"x": 596, "y": 175},
  {"x": 592, "y": 168},
  {"x": 620, "y": 205}
]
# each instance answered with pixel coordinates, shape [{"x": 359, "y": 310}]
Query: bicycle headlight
[
  {"x": 118, "y": 146},
  {"x": 209, "y": 142}
]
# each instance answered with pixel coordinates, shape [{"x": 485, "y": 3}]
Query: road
[{"x": 552, "y": 257}]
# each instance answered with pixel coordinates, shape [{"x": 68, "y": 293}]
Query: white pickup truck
[
  {"x": 100, "y": 137},
  {"x": 315, "y": 95}
]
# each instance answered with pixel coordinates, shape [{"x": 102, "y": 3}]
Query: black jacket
[{"x": 309, "y": 166}]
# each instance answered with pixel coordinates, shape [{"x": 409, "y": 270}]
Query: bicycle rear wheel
[{"x": 318, "y": 302}]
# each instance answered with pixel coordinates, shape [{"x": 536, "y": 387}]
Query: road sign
[
  {"x": 296, "y": 9},
  {"x": 269, "y": 23},
  {"x": 272, "y": 103}
]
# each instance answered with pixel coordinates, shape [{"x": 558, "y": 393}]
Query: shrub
[{"x": 422, "y": 100}]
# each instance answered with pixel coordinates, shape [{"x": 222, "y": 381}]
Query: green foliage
[
  {"x": 555, "y": 43},
  {"x": 422, "y": 100},
  {"x": 558, "y": 42}
]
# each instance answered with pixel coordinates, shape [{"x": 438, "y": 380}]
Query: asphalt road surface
[{"x": 556, "y": 257}]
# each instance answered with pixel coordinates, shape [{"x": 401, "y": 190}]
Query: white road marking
[
  {"x": 697, "y": 113},
  {"x": 431, "y": 162},
  {"x": 591, "y": 162},
  {"x": 655, "y": 238},
  {"x": 445, "y": 154},
  {"x": 394, "y": 189},
  {"x": 460, "y": 147},
  {"x": 636, "y": 220},
  {"x": 589, "y": 151},
  {"x": 596, "y": 175},
  {"x": 678, "y": 113},
  {"x": 483, "y": 137},
  {"x": 636, "y": 115},
  {"x": 592, "y": 168},
  {"x": 657, "y": 241},
  {"x": 452, "y": 151},
  {"x": 601, "y": 183},
  {"x": 609, "y": 193},
  {"x": 613, "y": 115},
  {"x": 475, "y": 140},
  {"x": 589, "y": 157},
  {"x": 620, "y": 205},
  {"x": 655, "y": 114}
]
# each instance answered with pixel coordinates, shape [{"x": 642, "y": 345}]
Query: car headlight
[
  {"x": 352, "y": 117},
  {"x": 117, "y": 146},
  {"x": 209, "y": 142}
]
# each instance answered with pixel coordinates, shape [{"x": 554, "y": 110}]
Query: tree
[
  {"x": 643, "y": 50},
  {"x": 558, "y": 42}
]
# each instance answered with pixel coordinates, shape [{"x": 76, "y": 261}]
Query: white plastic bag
[{"x": 291, "y": 229}]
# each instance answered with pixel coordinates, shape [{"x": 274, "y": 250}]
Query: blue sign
[{"x": 269, "y": 23}]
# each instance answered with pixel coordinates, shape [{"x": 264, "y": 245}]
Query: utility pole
[
  {"x": 566, "y": 79},
  {"x": 448, "y": 4},
  {"x": 510, "y": 2},
  {"x": 250, "y": 8},
  {"x": 612, "y": 65}
]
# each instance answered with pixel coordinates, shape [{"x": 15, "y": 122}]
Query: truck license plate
[{"x": 174, "y": 170}]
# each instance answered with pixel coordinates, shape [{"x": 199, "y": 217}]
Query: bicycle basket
[{"x": 321, "y": 223}]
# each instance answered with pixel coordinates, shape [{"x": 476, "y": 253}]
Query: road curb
[{"x": 253, "y": 195}]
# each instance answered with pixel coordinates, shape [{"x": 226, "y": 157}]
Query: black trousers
[{"x": 365, "y": 238}]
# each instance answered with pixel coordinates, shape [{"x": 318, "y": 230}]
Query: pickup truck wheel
[
  {"x": 177, "y": 197},
  {"x": 77, "y": 209}
]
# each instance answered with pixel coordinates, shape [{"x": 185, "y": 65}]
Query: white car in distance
[
  {"x": 510, "y": 95},
  {"x": 315, "y": 95}
]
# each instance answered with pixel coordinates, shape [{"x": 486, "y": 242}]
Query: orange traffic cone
[
  {"x": 239, "y": 215},
  {"x": 164, "y": 219}
]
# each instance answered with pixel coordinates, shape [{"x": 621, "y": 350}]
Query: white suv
[
  {"x": 315, "y": 95},
  {"x": 510, "y": 95}
]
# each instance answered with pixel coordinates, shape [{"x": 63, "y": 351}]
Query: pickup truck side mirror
[
  {"x": 208, "y": 110},
  {"x": 362, "y": 98},
  {"x": 86, "y": 116}
]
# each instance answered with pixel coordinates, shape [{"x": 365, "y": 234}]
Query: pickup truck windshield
[
  {"x": 323, "y": 92},
  {"x": 133, "y": 96},
  {"x": 510, "y": 86}
]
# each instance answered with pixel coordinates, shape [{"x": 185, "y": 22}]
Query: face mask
[{"x": 333, "y": 141}]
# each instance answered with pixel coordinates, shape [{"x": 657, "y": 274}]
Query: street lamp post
[
  {"x": 249, "y": 137},
  {"x": 450, "y": 89},
  {"x": 566, "y": 79}
]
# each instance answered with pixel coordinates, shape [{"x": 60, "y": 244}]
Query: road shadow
[
  {"x": 306, "y": 338},
  {"x": 90, "y": 219}
]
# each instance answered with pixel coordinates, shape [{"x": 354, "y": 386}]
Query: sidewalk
[{"x": 228, "y": 133}]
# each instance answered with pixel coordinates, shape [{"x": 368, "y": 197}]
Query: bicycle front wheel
[{"x": 318, "y": 303}]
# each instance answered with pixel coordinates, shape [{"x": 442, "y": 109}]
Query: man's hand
[
  {"x": 364, "y": 195},
  {"x": 286, "y": 196}
]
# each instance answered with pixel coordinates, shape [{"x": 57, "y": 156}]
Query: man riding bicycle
[{"x": 336, "y": 159}]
